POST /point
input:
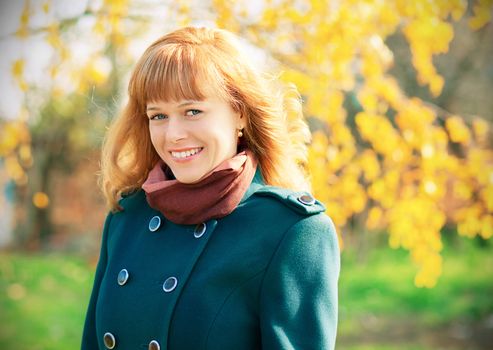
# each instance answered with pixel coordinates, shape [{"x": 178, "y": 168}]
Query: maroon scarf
[{"x": 215, "y": 196}]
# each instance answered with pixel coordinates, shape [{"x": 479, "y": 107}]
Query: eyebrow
[{"x": 186, "y": 103}]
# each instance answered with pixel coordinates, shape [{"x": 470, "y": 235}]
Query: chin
[{"x": 188, "y": 179}]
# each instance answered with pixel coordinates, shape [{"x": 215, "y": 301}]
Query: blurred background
[{"x": 398, "y": 96}]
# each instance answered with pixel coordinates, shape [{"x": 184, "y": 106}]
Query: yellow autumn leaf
[
  {"x": 482, "y": 14},
  {"x": 458, "y": 131},
  {"x": 41, "y": 200},
  {"x": 18, "y": 69}
]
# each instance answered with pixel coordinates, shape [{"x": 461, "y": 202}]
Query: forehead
[
  {"x": 209, "y": 101},
  {"x": 151, "y": 105}
]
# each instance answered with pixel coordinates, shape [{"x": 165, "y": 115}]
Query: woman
[{"x": 212, "y": 241}]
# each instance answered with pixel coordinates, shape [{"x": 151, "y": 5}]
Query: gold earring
[{"x": 240, "y": 133}]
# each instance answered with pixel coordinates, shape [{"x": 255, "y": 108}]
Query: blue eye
[
  {"x": 158, "y": 116},
  {"x": 192, "y": 112}
]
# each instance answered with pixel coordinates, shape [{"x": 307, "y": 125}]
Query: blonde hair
[{"x": 191, "y": 63}]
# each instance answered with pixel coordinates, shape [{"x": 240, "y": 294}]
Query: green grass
[
  {"x": 380, "y": 308},
  {"x": 43, "y": 300}
]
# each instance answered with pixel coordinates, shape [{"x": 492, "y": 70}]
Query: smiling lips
[{"x": 186, "y": 154}]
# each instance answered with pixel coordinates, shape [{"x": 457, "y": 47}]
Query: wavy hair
[{"x": 192, "y": 63}]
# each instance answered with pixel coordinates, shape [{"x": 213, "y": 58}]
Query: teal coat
[{"x": 263, "y": 277}]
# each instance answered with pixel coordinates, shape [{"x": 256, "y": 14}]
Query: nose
[{"x": 176, "y": 130}]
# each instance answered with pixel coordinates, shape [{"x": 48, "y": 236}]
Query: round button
[
  {"x": 123, "y": 277},
  {"x": 306, "y": 199},
  {"x": 155, "y": 223},
  {"x": 154, "y": 345},
  {"x": 109, "y": 340},
  {"x": 199, "y": 230},
  {"x": 170, "y": 284}
]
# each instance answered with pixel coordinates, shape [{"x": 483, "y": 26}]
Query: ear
[{"x": 240, "y": 121}]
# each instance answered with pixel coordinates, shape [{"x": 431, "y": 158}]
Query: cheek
[
  {"x": 156, "y": 137},
  {"x": 226, "y": 142}
]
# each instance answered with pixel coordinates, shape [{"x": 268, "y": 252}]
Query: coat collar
[{"x": 256, "y": 184}]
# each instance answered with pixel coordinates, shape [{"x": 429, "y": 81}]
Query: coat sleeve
[
  {"x": 299, "y": 296},
  {"x": 89, "y": 336}
]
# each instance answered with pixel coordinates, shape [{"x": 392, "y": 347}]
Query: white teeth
[{"x": 185, "y": 154}]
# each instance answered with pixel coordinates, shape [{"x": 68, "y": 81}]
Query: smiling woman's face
[{"x": 193, "y": 137}]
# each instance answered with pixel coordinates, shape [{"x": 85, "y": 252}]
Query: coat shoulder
[
  {"x": 300, "y": 202},
  {"x": 133, "y": 200}
]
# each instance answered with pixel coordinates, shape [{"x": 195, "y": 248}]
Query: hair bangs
[{"x": 177, "y": 72}]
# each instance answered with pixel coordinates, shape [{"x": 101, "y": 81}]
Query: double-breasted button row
[
  {"x": 154, "y": 345},
  {"x": 199, "y": 230},
  {"x": 109, "y": 341},
  {"x": 168, "y": 286},
  {"x": 123, "y": 277},
  {"x": 154, "y": 223}
]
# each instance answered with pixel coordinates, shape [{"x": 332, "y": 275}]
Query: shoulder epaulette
[{"x": 301, "y": 202}]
